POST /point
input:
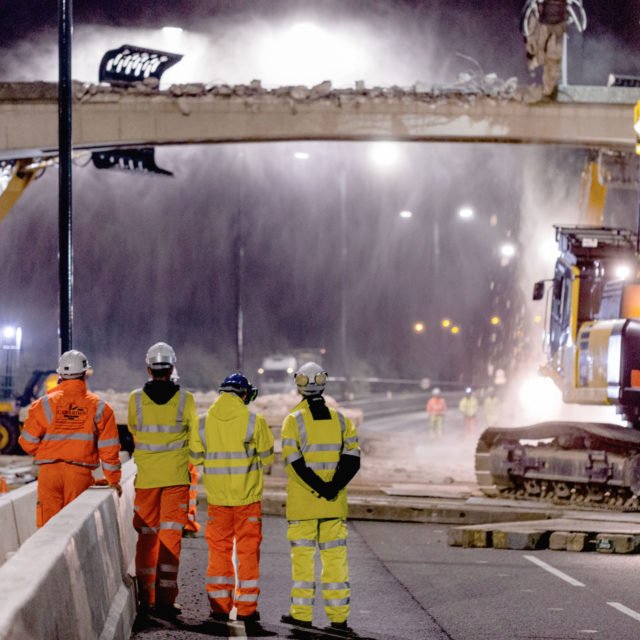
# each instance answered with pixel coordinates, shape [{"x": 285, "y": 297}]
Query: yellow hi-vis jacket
[
  {"x": 161, "y": 436},
  {"x": 320, "y": 443},
  {"x": 232, "y": 444}
]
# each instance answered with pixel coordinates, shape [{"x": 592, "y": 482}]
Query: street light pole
[
  {"x": 65, "y": 259},
  {"x": 342, "y": 187}
]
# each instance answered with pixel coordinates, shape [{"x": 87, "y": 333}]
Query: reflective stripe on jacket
[
  {"x": 437, "y": 406},
  {"x": 161, "y": 437},
  {"x": 71, "y": 424},
  {"x": 233, "y": 444},
  {"x": 320, "y": 443}
]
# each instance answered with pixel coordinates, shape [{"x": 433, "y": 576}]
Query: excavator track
[{"x": 578, "y": 465}]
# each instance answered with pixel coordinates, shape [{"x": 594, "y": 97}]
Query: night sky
[{"x": 154, "y": 256}]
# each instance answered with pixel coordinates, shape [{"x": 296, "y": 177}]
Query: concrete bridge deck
[{"x": 141, "y": 115}]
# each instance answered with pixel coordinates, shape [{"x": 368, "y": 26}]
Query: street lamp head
[
  {"x": 406, "y": 214},
  {"x": 466, "y": 213}
]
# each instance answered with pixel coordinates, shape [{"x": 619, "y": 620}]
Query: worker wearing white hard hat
[
  {"x": 161, "y": 415},
  {"x": 70, "y": 431},
  {"x": 436, "y": 410}
]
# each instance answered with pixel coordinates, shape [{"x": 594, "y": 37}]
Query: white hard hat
[
  {"x": 72, "y": 364},
  {"x": 160, "y": 355},
  {"x": 311, "y": 379},
  {"x": 436, "y": 391}
]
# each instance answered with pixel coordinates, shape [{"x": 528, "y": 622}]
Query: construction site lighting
[
  {"x": 406, "y": 214},
  {"x": 301, "y": 155},
  {"x": 466, "y": 213},
  {"x": 507, "y": 250},
  {"x": 384, "y": 154},
  {"x": 455, "y": 330},
  {"x": 446, "y": 323},
  {"x": 418, "y": 327},
  {"x": 495, "y": 320},
  {"x": 623, "y": 271}
]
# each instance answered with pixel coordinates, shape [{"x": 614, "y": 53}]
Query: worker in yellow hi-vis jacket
[{"x": 321, "y": 456}]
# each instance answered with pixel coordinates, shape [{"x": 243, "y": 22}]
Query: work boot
[
  {"x": 219, "y": 617},
  {"x": 342, "y": 628},
  {"x": 143, "y": 619},
  {"x": 167, "y": 610},
  {"x": 251, "y": 617},
  {"x": 287, "y": 619}
]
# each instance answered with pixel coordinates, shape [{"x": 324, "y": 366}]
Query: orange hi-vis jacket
[
  {"x": 437, "y": 406},
  {"x": 71, "y": 424}
]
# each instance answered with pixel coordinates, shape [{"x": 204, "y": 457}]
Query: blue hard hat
[{"x": 235, "y": 383}]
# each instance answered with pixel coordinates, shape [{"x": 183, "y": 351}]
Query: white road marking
[
  {"x": 630, "y": 612},
  {"x": 554, "y": 571}
]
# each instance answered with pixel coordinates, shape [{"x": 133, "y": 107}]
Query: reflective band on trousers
[
  {"x": 299, "y": 584},
  {"x": 171, "y": 525},
  {"x": 247, "y": 584},
  {"x": 332, "y": 543},
  {"x": 226, "y": 593},
  {"x": 146, "y": 572},
  {"x": 168, "y": 567},
  {"x": 302, "y": 601},
  {"x": 336, "y": 602},
  {"x": 168, "y": 583},
  {"x": 303, "y": 543},
  {"x": 221, "y": 580},
  {"x": 247, "y": 597},
  {"x": 329, "y": 586},
  {"x": 149, "y": 530}
]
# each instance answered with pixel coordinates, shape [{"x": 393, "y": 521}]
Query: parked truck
[{"x": 276, "y": 373}]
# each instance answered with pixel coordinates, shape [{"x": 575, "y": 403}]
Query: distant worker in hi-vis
[
  {"x": 492, "y": 408},
  {"x": 469, "y": 408},
  {"x": 436, "y": 410},
  {"x": 161, "y": 415},
  {"x": 70, "y": 431},
  {"x": 233, "y": 444},
  {"x": 321, "y": 455}
]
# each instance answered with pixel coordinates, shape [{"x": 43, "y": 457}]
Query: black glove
[
  {"x": 311, "y": 478},
  {"x": 347, "y": 468}
]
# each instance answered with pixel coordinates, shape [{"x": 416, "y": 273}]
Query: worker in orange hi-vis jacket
[
  {"x": 70, "y": 431},
  {"x": 436, "y": 409}
]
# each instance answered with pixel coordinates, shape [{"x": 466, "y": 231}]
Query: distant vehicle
[{"x": 276, "y": 374}]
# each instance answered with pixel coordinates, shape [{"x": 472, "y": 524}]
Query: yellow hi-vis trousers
[{"x": 330, "y": 535}]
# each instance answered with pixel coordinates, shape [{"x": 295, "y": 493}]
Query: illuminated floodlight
[
  {"x": 172, "y": 31},
  {"x": 537, "y": 319},
  {"x": 466, "y": 213},
  {"x": 418, "y": 327},
  {"x": 495, "y": 320},
  {"x": 455, "y": 329},
  {"x": 11, "y": 337},
  {"x": 406, "y": 214},
  {"x": 384, "y": 154},
  {"x": 301, "y": 155},
  {"x": 507, "y": 250},
  {"x": 260, "y": 371},
  {"x": 623, "y": 271},
  {"x": 446, "y": 323},
  {"x": 289, "y": 370}
]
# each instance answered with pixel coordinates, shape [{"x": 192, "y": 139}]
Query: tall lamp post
[{"x": 65, "y": 259}]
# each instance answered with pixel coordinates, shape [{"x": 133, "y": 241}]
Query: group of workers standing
[
  {"x": 468, "y": 407},
  {"x": 71, "y": 431}
]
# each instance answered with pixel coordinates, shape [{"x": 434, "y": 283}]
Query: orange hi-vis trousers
[
  {"x": 159, "y": 518},
  {"x": 244, "y": 523},
  {"x": 58, "y": 484},
  {"x": 192, "y": 525}
]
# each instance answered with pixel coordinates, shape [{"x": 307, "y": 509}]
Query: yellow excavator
[{"x": 592, "y": 346}]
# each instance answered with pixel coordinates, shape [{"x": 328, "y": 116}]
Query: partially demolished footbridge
[{"x": 141, "y": 115}]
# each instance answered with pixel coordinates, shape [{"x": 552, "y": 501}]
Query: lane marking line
[
  {"x": 556, "y": 572},
  {"x": 630, "y": 612}
]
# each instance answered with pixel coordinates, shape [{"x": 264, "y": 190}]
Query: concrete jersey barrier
[
  {"x": 17, "y": 518},
  {"x": 72, "y": 578}
]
